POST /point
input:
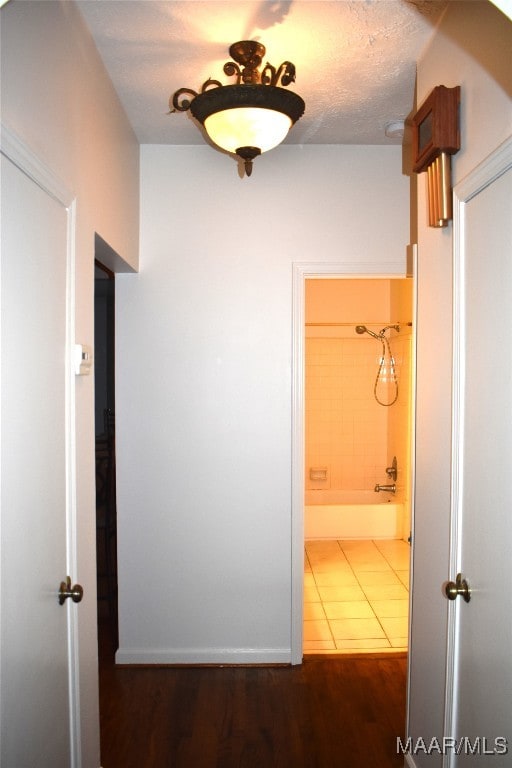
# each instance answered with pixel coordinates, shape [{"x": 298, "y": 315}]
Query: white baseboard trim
[{"x": 218, "y": 656}]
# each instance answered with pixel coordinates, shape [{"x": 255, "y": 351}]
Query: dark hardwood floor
[{"x": 335, "y": 712}]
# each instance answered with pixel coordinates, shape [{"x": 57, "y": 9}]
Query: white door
[
  {"x": 480, "y": 662},
  {"x": 36, "y": 669}
]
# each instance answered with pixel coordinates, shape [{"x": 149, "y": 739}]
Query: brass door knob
[
  {"x": 66, "y": 590},
  {"x": 458, "y": 587}
]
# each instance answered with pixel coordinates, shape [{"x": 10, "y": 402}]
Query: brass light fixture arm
[
  {"x": 284, "y": 75},
  {"x": 184, "y": 104},
  {"x": 247, "y": 56},
  {"x": 231, "y": 69},
  {"x": 179, "y": 104}
]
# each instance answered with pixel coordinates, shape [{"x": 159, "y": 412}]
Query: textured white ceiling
[{"x": 355, "y": 59}]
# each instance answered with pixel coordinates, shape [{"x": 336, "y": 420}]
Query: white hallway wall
[
  {"x": 204, "y": 344},
  {"x": 471, "y": 49},
  {"x": 57, "y": 99}
]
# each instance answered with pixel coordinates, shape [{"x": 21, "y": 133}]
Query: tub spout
[{"x": 388, "y": 488}]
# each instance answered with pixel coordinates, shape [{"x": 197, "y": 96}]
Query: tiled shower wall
[
  {"x": 346, "y": 429},
  {"x": 400, "y": 416},
  {"x": 348, "y": 433}
]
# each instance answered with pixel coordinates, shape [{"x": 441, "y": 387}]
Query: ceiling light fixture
[{"x": 252, "y": 116}]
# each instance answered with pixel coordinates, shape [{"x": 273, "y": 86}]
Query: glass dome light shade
[
  {"x": 237, "y": 116},
  {"x": 231, "y": 129}
]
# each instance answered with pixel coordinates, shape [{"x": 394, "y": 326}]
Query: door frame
[
  {"x": 18, "y": 153},
  {"x": 302, "y": 272},
  {"x": 481, "y": 177}
]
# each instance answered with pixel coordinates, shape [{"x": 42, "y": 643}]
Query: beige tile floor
[{"x": 356, "y": 596}]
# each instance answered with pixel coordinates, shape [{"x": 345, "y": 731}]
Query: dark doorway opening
[{"x": 106, "y": 517}]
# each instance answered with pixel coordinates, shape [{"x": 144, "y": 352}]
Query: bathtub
[{"x": 352, "y": 515}]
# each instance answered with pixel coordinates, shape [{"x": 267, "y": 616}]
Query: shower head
[{"x": 363, "y": 329}]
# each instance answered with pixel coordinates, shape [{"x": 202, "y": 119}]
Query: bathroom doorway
[{"x": 357, "y": 426}]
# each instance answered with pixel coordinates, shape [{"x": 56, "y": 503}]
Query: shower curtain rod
[{"x": 348, "y": 325}]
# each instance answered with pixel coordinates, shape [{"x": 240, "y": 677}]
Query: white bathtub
[{"x": 352, "y": 515}]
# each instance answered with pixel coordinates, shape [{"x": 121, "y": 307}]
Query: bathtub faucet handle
[
  {"x": 388, "y": 488},
  {"x": 392, "y": 471}
]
